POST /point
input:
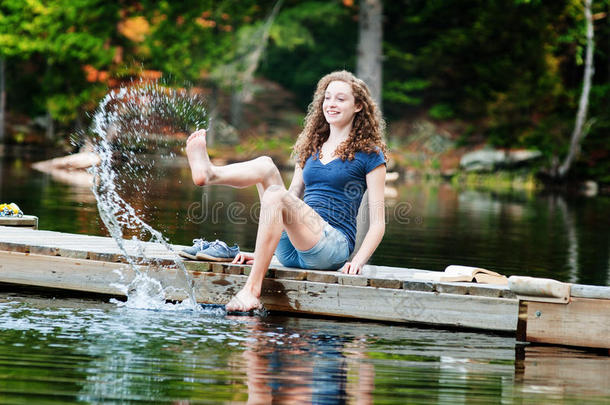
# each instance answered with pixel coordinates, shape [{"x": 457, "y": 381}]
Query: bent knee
[
  {"x": 270, "y": 170},
  {"x": 274, "y": 194},
  {"x": 267, "y": 162}
]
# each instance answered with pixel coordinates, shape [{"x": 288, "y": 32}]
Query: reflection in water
[
  {"x": 512, "y": 233},
  {"x": 70, "y": 351},
  {"x": 561, "y": 372},
  {"x": 305, "y": 367},
  {"x": 430, "y": 225},
  {"x": 572, "y": 251}
]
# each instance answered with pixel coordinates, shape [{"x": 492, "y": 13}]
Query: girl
[{"x": 339, "y": 154}]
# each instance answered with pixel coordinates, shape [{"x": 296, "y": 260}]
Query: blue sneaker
[
  {"x": 198, "y": 245},
  {"x": 218, "y": 251}
]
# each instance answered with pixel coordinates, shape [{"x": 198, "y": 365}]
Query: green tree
[
  {"x": 16, "y": 43},
  {"x": 580, "y": 131},
  {"x": 205, "y": 43},
  {"x": 59, "y": 37},
  {"x": 308, "y": 40}
]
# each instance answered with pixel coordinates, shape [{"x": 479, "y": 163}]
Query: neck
[{"x": 339, "y": 133}]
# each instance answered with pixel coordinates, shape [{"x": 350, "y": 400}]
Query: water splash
[{"x": 130, "y": 121}]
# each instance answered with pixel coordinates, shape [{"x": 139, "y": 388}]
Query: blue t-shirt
[{"x": 334, "y": 190}]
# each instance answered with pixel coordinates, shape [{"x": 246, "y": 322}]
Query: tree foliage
[
  {"x": 509, "y": 69},
  {"x": 308, "y": 40},
  {"x": 512, "y": 69}
]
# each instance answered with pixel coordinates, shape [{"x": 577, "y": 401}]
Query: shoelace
[
  {"x": 200, "y": 243},
  {"x": 218, "y": 243},
  {"x": 223, "y": 245}
]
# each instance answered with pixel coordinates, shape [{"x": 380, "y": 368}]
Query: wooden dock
[{"x": 96, "y": 264}]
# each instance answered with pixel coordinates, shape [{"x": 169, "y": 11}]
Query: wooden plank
[
  {"x": 278, "y": 294},
  {"x": 539, "y": 289},
  {"x": 45, "y": 250},
  {"x": 234, "y": 269},
  {"x": 154, "y": 260},
  {"x": 385, "y": 283},
  {"x": 217, "y": 267},
  {"x": 387, "y": 272},
  {"x": 270, "y": 272},
  {"x": 418, "y": 285},
  {"x": 73, "y": 253},
  {"x": 521, "y": 333},
  {"x": 106, "y": 257},
  {"x": 197, "y": 266},
  {"x": 14, "y": 247},
  {"x": 382, "y": 276},
  {"x": 590, "y": 291},
  {"x": 83, "y": 274},
  {"x": 508, "y": 294},
  {"x": 451, "y": 288},
  {"x": 26, "y": 221},
  {"x": 409, "y": 283},
  {"x": 64, "y": 273},
  {"x": 347, "y": 279},
  {"x": 582, "y": 322},
  {"x": 485, "y": 290},
  {"x": 381, "y": 303},
  {"x": 290, "y": 274},
  {"x": 322, "y": 276},
  {"x": 75, "y": 242}
]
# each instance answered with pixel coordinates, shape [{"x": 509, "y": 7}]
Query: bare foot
[
  {"x": 197, "y": 154},
  {"x": 244, "y": 301}
]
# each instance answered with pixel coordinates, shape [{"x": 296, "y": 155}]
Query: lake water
[
  {"x": 429, "y": 225},
  {"x": 55, "y": 348}
]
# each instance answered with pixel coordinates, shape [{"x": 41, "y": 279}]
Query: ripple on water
[{"x": 70, "y": 351}]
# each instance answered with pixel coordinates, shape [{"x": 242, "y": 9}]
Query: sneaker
[
  {"x": 218, "y": 251},
  {"x": 198, "y": 245}
]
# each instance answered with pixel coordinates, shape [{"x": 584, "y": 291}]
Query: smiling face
[{"x": 339, "y": 105}]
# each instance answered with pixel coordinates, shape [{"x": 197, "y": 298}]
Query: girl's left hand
[{"x": 351, "y": 268}]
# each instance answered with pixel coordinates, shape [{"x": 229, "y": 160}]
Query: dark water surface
[
  {"x": 74, "y": 350},
  {"x": 429, "y": 225},
  {"x": 57, "y": 349}
]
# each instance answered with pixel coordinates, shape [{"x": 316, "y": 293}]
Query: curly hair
[{"x": 367, "y": 128}]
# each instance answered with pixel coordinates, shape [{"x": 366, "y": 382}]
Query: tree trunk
[
  {"x": 237, "y": 107},
  {"x": 370, "y": 29},
  {"x": 212, "y": 116},
  {"x": 243, "y": 90},
  {"x": 2, "y": 98},
  {"x": 79, "y": 126},
  {"x": 369, "y": 69},
  {"x": 50, "y": 132},
  {"x": 579, "y": 133}
]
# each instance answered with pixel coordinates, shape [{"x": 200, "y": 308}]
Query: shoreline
[{"x": 500, "y": 180}]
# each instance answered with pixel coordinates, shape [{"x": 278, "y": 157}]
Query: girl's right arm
[{"x": 297, "y": 186}]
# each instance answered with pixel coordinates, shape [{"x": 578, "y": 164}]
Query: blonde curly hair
[{"x": 367, "y": 128}]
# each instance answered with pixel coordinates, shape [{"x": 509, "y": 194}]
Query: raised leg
[
  {"x": 261, "y": 171},
  {"x": 279, "y": 210}
]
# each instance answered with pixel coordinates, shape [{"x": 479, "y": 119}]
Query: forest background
[{"x": 455, "y": 75}]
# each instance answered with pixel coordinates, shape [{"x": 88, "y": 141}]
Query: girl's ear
[{"x": 358, "y": 107}]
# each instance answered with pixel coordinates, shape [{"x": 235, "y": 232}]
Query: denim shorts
[{"x": 330, "y": 253}]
